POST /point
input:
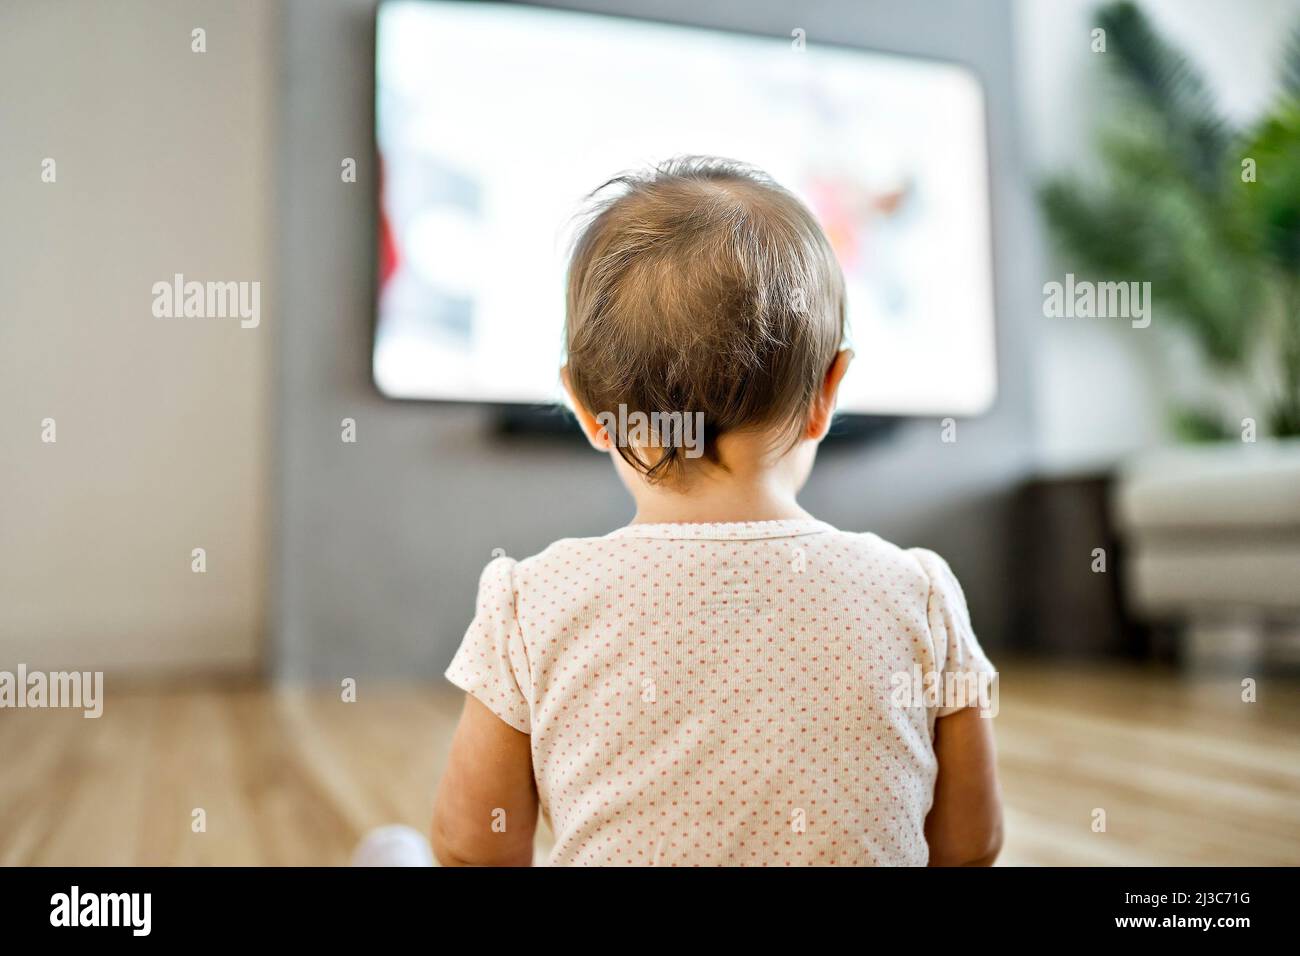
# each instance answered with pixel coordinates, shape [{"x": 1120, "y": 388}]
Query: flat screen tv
[{"x": 496, "y": 120}]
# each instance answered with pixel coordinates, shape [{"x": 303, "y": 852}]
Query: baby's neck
[{"x": 761, "y": 499}]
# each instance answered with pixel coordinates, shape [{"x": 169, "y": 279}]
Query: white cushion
[{"x": 1227, "y": 486}]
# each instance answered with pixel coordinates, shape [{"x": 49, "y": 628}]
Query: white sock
[{"x": 393, "y": 845}]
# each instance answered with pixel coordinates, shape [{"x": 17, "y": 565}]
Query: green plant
[{"x": 1207, "y": 213}]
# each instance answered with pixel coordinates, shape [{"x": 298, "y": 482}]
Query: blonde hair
[{"x": 702, "y": 286}]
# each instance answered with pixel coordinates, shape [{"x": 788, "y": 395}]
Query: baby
[{"x": 726, "y": 680}]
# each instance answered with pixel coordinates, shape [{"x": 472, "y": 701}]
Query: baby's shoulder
[
  {"x": 875, "y": 555},
  {"x": 607, "y": 556},
  {"x": 569, "y": 556}
]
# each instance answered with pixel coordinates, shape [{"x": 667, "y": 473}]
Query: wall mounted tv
[{"x": 495, "y": 120}]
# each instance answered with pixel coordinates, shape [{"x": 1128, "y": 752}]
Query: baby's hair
[{"x": 701, "y": 285}]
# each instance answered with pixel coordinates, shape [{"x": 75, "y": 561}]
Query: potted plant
[
  {"x": 1209, "y": 214},
  {"x": 1206, "y": 212}
]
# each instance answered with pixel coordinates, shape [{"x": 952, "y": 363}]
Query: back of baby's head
[{"x": 702, "y": 286}]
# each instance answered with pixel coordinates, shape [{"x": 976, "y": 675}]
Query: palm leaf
[
  {"x": 1291, "y": 66},
  {"x": 1172, "y": 90}
]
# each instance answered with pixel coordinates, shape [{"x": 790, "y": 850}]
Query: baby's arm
[
  {"x": 964, "y": 827},
  {"x": 485, "y": 813}
]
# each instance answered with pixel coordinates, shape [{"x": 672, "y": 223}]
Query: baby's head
[{"x": 703, "y": 292}]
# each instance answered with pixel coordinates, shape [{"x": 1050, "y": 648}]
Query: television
[{"x": 495, "y": 121}]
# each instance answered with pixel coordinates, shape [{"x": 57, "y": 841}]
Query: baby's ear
[
  {"x": 819, "y": 422},
  {"x": 594, "y": 430}
]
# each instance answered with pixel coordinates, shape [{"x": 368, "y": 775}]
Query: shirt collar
[{"x": 725, "y": 530}]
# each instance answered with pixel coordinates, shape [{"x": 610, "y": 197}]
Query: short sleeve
[
  {"x": 492, "y": 664},
  {"x": 958, "y": 654}
]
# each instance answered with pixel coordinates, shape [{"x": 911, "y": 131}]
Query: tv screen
[{"x": 495, "y": 122}]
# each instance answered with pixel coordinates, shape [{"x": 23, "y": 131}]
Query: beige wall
[{"x": 163, "y": 425}]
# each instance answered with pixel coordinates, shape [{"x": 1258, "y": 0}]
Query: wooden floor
[{"x": 1185, "y": 771}]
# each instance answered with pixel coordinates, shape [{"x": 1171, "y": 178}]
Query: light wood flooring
[{"x": 1186, "y": 772}]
